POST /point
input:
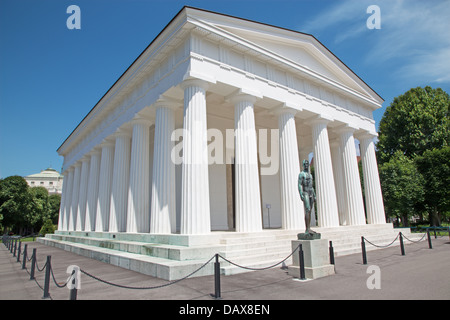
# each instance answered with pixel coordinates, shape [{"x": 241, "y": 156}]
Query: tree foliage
[
  {"x": 402, "y": 186},
  {"x": 14, "y": 200},
  {"x": 434, "y": 166},
  {"x": 22, "y": 207},
  {"x": 413, "y": 153},
  {"x": 415, "y": 122}
]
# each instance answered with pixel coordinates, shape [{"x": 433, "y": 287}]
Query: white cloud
[{"x": 413, "y": 35}]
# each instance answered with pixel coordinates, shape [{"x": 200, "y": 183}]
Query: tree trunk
[
  {"x": 405, "y": 220},
  {"x": 435, "y": 219}
]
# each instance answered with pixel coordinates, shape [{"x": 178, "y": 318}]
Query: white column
[
  {"x": 248, "y": 196},
  {"x": 65, "y": 207},
  {"x": 120, "y": 182},
  {"x": 92, "y": 190},
  {"x": 195, "y": 214},
  {"x": 336, "y": 157},
  {"x": 327, "y": 211},
  {"x": 372, "y": 187},
  {"x": 138, "y": 212},
  {"x": 81, "y": 210},
  {"x": 353, "y": 193},
  {"x": 104, "y": 188},
  {"x": 75, "y": 197},
  {"x": 162, "y": 217},
  {"x": 61, "y": 206},
  {"x": 292, "y": 211}
]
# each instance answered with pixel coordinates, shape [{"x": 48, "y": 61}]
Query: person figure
[{"x": 307, "y": 194}]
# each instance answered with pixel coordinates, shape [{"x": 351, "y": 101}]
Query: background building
[{"x": 49, "y": 178}]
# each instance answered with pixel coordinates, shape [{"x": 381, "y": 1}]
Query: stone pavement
[{"x": 421, "y": 274}]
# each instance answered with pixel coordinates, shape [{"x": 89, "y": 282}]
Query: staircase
[{"x": 174, "y": 256}]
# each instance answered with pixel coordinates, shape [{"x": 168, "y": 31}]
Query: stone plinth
[{"x": 316, "y": 258}]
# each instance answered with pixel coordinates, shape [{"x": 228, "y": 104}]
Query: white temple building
[{"x": 206, "y": 131}]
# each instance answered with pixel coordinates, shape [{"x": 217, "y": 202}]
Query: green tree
[
  {"x": 14, "y": 202},
  {"x": 47, "y": 227},
  {"x": 414, "y": 122},
  {"x": 434, "y": 165},
  {"x": 39, "y": 208},
  {"x": 402, "y": 186},
  {"x": 54, "y": 204}
]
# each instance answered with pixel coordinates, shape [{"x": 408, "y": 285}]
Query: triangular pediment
[
  {"x": 303, "y": 52},
  {"x": 299, "y": 48}
]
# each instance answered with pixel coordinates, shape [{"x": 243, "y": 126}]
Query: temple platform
[{"x": 174, "y": 256}]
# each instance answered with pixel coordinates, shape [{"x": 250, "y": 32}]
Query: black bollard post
[
  {"x": 217, "y": 278},
  {"x": 15, "y": 248},
  {"x": 18, "y": 251},
  {"x": 331, "y": 253},
  {"x": 33, "y": 264},
  {"x": 402, "y": 247},
  {"x": 435, "y": 235},
  {"x": 48, "y": 267},
  {"x": 24, "y": 259},
  {"x": 363, "y": 247},
  {"x": 430, "y": 246},
  {"x": 301, "y": 260},
  {"x": 73, "y": 293}
]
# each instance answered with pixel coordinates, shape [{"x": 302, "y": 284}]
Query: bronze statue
[{"x": 307, "y": 194}]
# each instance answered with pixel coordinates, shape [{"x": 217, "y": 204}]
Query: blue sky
[{"x": 51, "y": 77}]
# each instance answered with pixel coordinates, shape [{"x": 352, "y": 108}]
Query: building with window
[{"x": 49, "y": 178}]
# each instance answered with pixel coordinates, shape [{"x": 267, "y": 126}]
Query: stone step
[
  {"x": 244, "y": 252},
  {"x": 172, "y": 252},
  {"x": 153, "y": 266},
  {"x": 172, "y": 256}
]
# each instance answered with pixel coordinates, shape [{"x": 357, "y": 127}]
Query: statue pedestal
[{"x": 316, "y": 259}]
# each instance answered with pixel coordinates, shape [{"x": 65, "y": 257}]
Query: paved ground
[{"x": 421, "y": 274}]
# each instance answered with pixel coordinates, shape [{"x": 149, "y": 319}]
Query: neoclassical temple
[{"x": 207, "y": 130}]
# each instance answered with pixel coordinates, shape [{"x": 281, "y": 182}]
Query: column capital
[
  {"x": 286, "y": 108},
  {"x": 367, "y": 135},
  {"x": 122, "y": 132},
  {"x": 193, "y": 82},
  {"x": 107, "y": 142},
  {"x": 334, "y": 143},
  {"x": 320, "y": 119},
  {"x": 244, "y": 94},
  {"x": 85, "y": 158},
  {"x": 138, "y": 119},
  {"x": 94, "y": 151},
  {"x": 166, "y": 102},
  {"x": 345, "y": 128}
]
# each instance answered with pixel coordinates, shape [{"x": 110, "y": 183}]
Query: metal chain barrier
[
  {"x": 259, "y": 269},
  {"x": 380, "y": 246},
  {"x": 416, "y": 241},
  {"x": 8, "y": 242},
  {"x": 402, "y": 248},
  {"x": 150, "y": 287}
]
